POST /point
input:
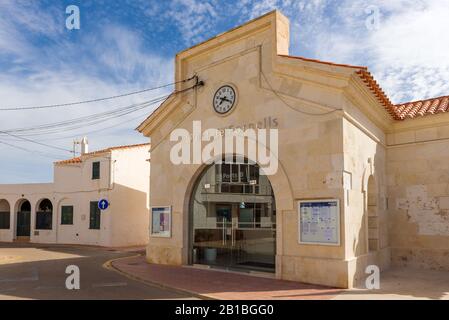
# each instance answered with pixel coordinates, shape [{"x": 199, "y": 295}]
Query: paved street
[{"x": 38, "y": 272}]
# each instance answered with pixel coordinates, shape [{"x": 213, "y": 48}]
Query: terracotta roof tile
[
  {"x": 70, "y": 161},
  {"x": 422, "y": 108},
  {"x": 79, "y": 159}
]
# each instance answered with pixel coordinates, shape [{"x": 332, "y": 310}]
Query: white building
[{"x": 66, "y": 211}]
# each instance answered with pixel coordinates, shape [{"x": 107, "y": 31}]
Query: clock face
[{"x": 224, "y": 99}]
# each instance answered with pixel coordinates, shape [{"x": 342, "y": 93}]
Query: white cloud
[
  {"x": 407, "y": 54},
  {"x": 109, "y": 62}
]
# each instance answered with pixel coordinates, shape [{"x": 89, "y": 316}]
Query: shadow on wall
[
  {"x": 372, "y": 245},
  {"x": 131, "y": 220}
]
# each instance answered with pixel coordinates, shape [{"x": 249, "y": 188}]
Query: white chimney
[{"x": 84, "y": 146}]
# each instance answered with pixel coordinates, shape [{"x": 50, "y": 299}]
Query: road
[{"x": 38, "y": 272}]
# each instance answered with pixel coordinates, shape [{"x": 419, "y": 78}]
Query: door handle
[{"x": 223, "y": 232}]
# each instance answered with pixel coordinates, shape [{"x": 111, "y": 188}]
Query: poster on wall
[
  {"x": 161, "y": 221},
  {"x": 319, "y": 222}
]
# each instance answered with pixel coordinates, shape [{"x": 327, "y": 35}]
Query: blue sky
[{"x": 127, "y": 45}]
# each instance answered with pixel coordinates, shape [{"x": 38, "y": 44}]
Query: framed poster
[
  {"x": 161, "y": 222},
  {"x": 319, "y": 222}
]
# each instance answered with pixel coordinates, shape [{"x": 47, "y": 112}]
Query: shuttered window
[
  {"x": 95, "y": 170},
  {"x": 67, "y": 215}
]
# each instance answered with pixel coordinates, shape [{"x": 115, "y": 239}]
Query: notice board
[{"x": 319, "y": 222}]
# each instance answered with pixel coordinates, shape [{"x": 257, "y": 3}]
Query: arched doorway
[
  {"x": 23, "y": 219},
  {"x": 4, "y": 214},
  {"x": 44, "y": 215},
  {"x": 233, "y": 218}
]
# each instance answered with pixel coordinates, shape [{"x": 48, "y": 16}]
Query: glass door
[
  {"x": 233, "y": 219},
  {"x": 213, "y": 241}
]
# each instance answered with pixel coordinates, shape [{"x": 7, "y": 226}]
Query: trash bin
[{"x": 210, "y": 254}]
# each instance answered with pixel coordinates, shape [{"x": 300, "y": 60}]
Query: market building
[
  {"x": 70, "y": 209},
  {"x": 358, "y": 180}
]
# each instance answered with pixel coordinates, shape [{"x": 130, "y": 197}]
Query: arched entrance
[
  {"x": 23, "y": 219},
  {"x": 233, "y": 218}
]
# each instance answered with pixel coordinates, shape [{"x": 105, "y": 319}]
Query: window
[
  {"x": 4, "y": 220},
  {"x": 96, "y": 170},
  {"x": 94, "y": 216},
  {"x": 67, "y": 215},
  {"x": 239, "y": 178},
  {"x": 43, "y": 220},
  {"x": 44, "y": 215}
]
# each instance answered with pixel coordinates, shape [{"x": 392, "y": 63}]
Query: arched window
[
  {"x": 44, "y": 215},
  {"x": 23, "y": 218},
  {"x": 4, "y": 214}
]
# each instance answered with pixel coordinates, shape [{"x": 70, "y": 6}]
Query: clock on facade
[{"x": 224, "y": 99}]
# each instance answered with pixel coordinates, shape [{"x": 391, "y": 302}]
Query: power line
[
  {"x": 36, "y": 142},
  {"x": 86, "y": 120},
  {"x": 128, "y": 110},
  {"x": 93, "y": 118},
  {"x": 94, "y": 100},
  {"x": 53, "y": 157},
  {"x": 290, "y": 106}
]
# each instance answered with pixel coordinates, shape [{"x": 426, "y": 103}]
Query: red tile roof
[
  {"x": 79, "y": 159},
  {"x": 399, "y": 111},
  {"x": 422, "y": 108}
]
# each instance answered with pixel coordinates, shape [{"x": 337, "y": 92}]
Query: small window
[
  {"x": 4, "y": 220},
  {"x": 67, "y": 215},
  {"x": 94, "y": 221},
  {"x": 96, "y": 170}
]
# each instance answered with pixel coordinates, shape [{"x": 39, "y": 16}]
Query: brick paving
[{"x": 221, "y": 285}]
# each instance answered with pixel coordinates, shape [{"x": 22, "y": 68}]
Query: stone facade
[{"x": 336, "y": 141}]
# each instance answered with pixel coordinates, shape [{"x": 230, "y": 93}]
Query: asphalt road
[{"x": 38, "y": 272}]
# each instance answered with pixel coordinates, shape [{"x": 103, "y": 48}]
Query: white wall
[{"x": 124, "y": 182}]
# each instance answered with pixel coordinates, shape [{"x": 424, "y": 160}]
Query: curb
[{"x": 109, "y": 266}]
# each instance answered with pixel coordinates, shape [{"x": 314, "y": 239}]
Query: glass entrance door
[{"x": 233, "y": 221}]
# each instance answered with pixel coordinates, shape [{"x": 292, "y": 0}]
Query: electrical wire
[
  {"x": 291, "y": 107},
  {"x": 86, "y": 120},
  {"x": 53, "y": 157},
  {"x": 95, "y": 131},
  {"x": 90, "y": 119},
  {"x": 127, "y": 110},
  {"x": 36, "y": 142},
  {"x": 94, "y": 100}
]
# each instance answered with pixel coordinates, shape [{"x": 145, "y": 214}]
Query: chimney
[{"x": 84, "y": 146}]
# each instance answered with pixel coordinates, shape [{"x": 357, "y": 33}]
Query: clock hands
[{"x": 224, "y": 99}]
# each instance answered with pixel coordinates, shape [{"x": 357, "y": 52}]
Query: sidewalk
[{"x": 219, "y": 285}]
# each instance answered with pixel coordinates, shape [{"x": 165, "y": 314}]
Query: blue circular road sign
[{"x": 103, "y": 204}]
